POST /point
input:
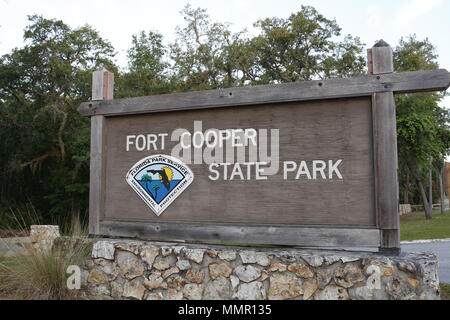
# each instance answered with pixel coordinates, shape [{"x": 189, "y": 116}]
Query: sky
[{"x": 118, "y": 20}]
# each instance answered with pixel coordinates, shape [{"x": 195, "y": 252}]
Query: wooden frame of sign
[{"x": 348, "y": 119}]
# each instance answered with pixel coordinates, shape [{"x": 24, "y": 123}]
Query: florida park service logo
[{"x": 159, "y": 180}]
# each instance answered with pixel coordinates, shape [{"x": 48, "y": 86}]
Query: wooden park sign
[{"x": 310, "y": 164}]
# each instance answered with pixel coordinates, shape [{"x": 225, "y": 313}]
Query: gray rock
[
  {"x": 166, "y": 251},
  {"x": 149, "y": 254},
  {"x": 323, "y": 277},
  {"x": 219, "y": 269},
  {"x": 117, "y": 287},
  {"x": 247, "y": 273},
  {"x": 309, "y": 288},
  {"x": 97, "y": 277},
  {"x": 284, "y": 286},
  {"x": 103, "y": 249},
  {"x": 234, "y": 281},
  {"x": 161, "y": 265},
  {"x": 154, "y": 296},
  {"x": 193, "y": 291},
  {"x": 155, "y": 281},
  {"x": 130, "y": 266},
  {"x": 195, "y": 255},
  {"x": 407, "y": 266},
  {"x": 361, "y": 293},
  {"x": 178, "y": 249},
  {"x": 349, "y": 259},
  {"x": 134, "y": 289},
  {"x": 99, "y": 290},
  {"x": 173, "y": 294},
  {"x": 228, "y": 255},
  {"x": 131, "y": 246},
  {"x": 106, "y": 266},
  {"x": 286, "y": 257},
  {"x": 313, "y": 261},
  {"x": 329, "y": 260},
  {"x": 332, "y": 292},
  {"x": 183, "y": 265},
  {"x": 348, "y": 275},
  {"x": 196, "y": 276},
  {"x": 429, "y": 271},
  {"x": 399, "y": 290},
  {"x": 176, "y": 282},
  {"x": 218, "y": 289},
  {"x": 170, "y": 271},
  {"x": 251, "y": 291},
  {"x": 249, "y": 257},
  {"x": 44, "y": 236}
]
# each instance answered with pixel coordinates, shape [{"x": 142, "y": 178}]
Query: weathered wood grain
[
  {"x": 385, "y": 143},
  {"x": 222, "y": 233},
  {"x": 102, "y": 85},
  {"x": 429, "y": 80},
  {"x": 336, "y": 129},
  {"x": 385, "y": 151},
  {"x": 97, "y": 173},
  {"x": 382, "y": 58}
]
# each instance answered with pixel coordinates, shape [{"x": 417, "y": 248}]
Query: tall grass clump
[{"x": 40, "y": 273}]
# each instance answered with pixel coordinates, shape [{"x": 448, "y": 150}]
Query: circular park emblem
[{"x": 159, "y": 180}]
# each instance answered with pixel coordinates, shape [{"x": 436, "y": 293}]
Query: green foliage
[
  {"x": 147, "y": 69},
  {"x": 412, "y": 55},
  {"x": 302, "y": 47},
  {"x": 45, "y": 140},
  {"x": 422, "y": 125},
  {"x": 204, "y": 54}
]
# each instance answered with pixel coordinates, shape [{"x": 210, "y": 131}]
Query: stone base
[{"x": 122, "y": 269}]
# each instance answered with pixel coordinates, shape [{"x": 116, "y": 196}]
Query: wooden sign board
[{"x": 310, "y": 164}]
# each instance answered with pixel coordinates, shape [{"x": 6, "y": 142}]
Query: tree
[
  {"x": 302, "y": 47},
  {"x": 422, "y": 126},
  {"x": 207, "y": 54},
  {"x": 147, "y": 73},
  {"x": 42, "y": 134}
]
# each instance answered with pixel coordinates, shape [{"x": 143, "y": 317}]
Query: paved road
[{"x": 441, "y": 249}]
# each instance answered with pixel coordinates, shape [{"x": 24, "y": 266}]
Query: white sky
[{"x": 118, "y": 20}]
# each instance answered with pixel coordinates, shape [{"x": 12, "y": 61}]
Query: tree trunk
[
  {"x": 406, "y": 191},
  {"x": 421, "y": 187},
  {"x": 423, "y": 194},
  {"x": 430, "y": 199},
  {"x": 440, "y": 173}
]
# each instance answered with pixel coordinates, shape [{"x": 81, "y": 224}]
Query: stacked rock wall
[{"x": 122, "y": 269}]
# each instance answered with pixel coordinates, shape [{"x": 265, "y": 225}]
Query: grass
[
  {"x": 40, "y": 273},
  {"x": 16, "y": 222},
  {"x": 414, "y": 226},
  {"x": 445, "y": 291}
]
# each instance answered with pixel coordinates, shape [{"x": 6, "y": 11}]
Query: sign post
[{"x": 380, "y": 61}]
